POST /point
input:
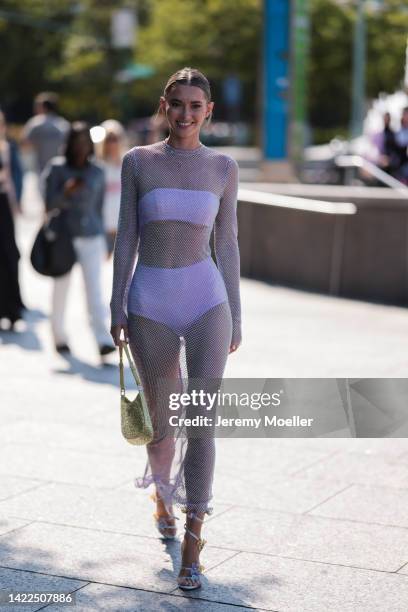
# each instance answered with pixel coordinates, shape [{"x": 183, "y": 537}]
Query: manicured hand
[{"x": 116, "y": 331}]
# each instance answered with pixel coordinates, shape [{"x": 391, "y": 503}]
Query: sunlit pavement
[{"x": 299, "y": 525}]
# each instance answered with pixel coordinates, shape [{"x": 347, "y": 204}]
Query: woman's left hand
[{"x": 233, "y": 347}]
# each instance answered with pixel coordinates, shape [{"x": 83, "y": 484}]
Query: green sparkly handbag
[{"x": 136, "y": 423}]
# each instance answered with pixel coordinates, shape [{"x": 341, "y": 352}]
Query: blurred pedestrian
[
  {"x": 401, "y": 139},
  {"x": 389, "y": 158},
  {"x": 11, "y": 304},
  {"x": 77, "y": 183},
  {"x": 112, "y": 151},
  {"x": 46, "y": 132},
  {"x": 16, "y": 169}
]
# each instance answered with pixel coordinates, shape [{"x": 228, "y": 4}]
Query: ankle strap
[
  {"x": 200, "y": 541},
  {"x": 191, "y": 533},
  {"x": 193, "y": 514}
]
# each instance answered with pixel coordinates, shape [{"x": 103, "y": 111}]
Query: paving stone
[
  {"x": 62, "y": 465},
  {"x": 81, "y": 506},
  {"x": 81, "y": 400},
  {"x": 72, "y": 436},
  {"x": 242, "y": 457},
  {"x": 98, "y": 556},
  {"x": 20, "y": 581},
  {"x": 10, "y": 485},
  {"x": 8, "y": 524},
  {"x": 387, "y": 447},
  {"x": 357, "y": 468},
  {"x": 291, "y": 494},
  {"x": 96, "y": 597},
  {"x": 290, "y": 585},
  {"x": 367, "y": 504},
  {"x": 311, "y": 538}
]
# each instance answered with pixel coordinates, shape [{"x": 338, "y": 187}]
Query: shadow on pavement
[
  {"x": 106, "y": 373},
  {"x": 25, "y": 337}
]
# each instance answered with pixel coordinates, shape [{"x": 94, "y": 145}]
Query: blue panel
[{"x": 276, "y": 78}]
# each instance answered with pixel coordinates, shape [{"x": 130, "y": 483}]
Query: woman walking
[
  {"x": 11, "y": 304},
  {"x": 174, "y": 193},
  {"x": 76, "y": 183}
]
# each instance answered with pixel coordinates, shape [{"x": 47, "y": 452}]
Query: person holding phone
[{"x": 77, "y": 183}]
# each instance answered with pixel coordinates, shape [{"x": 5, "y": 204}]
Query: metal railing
[
  {"x": 296, "y": 203},
  {"x": 356, "y": 161}
]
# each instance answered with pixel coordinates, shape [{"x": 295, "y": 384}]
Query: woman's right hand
[
  {"x": 72, "y": 185},
  {"x": 116, "y": 331}
]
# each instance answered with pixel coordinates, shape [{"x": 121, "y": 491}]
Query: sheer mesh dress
[{"x": 182, "y": 308}]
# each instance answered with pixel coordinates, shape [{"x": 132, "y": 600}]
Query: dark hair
[
  {"x": 48, "y": 99},
  {"x": 77, "y": 129},
  {"x": 189, "y": 76}
]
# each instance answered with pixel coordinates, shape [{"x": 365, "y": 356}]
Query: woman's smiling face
[{"x": 186, "y": 108}]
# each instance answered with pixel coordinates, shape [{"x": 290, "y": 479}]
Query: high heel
[
  {"x": 162, "y": 524},
  {"x": 196, "y": 568}
]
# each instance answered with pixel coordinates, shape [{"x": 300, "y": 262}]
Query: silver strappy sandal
[
  {"x": 162, "y": 523},
  {"x": 196, "y": 568}
]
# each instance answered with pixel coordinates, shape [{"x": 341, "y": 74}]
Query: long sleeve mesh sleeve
[
  {"x": 226, "y": 246},
  {"x": 126, "y": 242}
]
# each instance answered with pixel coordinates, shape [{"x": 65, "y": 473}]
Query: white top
[{"x": 111, "y": 204}]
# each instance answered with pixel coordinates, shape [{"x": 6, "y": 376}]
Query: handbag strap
[
  {"x": 132, "y": 367},
  {"x": 121, "y": 373}
]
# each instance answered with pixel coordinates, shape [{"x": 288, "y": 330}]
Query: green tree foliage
[
  {"x": 330, "y": 65},
  {"x": 89, "y": 64},
  {"x": 387, "y": 33},
  {"x": 32, "y": 34},
  {"x": 66, "y": 45},
  {"x": 216, "y": 36}
]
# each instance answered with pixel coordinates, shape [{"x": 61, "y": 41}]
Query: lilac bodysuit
[{"x": 171, "y": 201}]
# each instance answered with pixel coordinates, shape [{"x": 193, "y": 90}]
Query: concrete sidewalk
[{"x": 300, "y": 525}]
